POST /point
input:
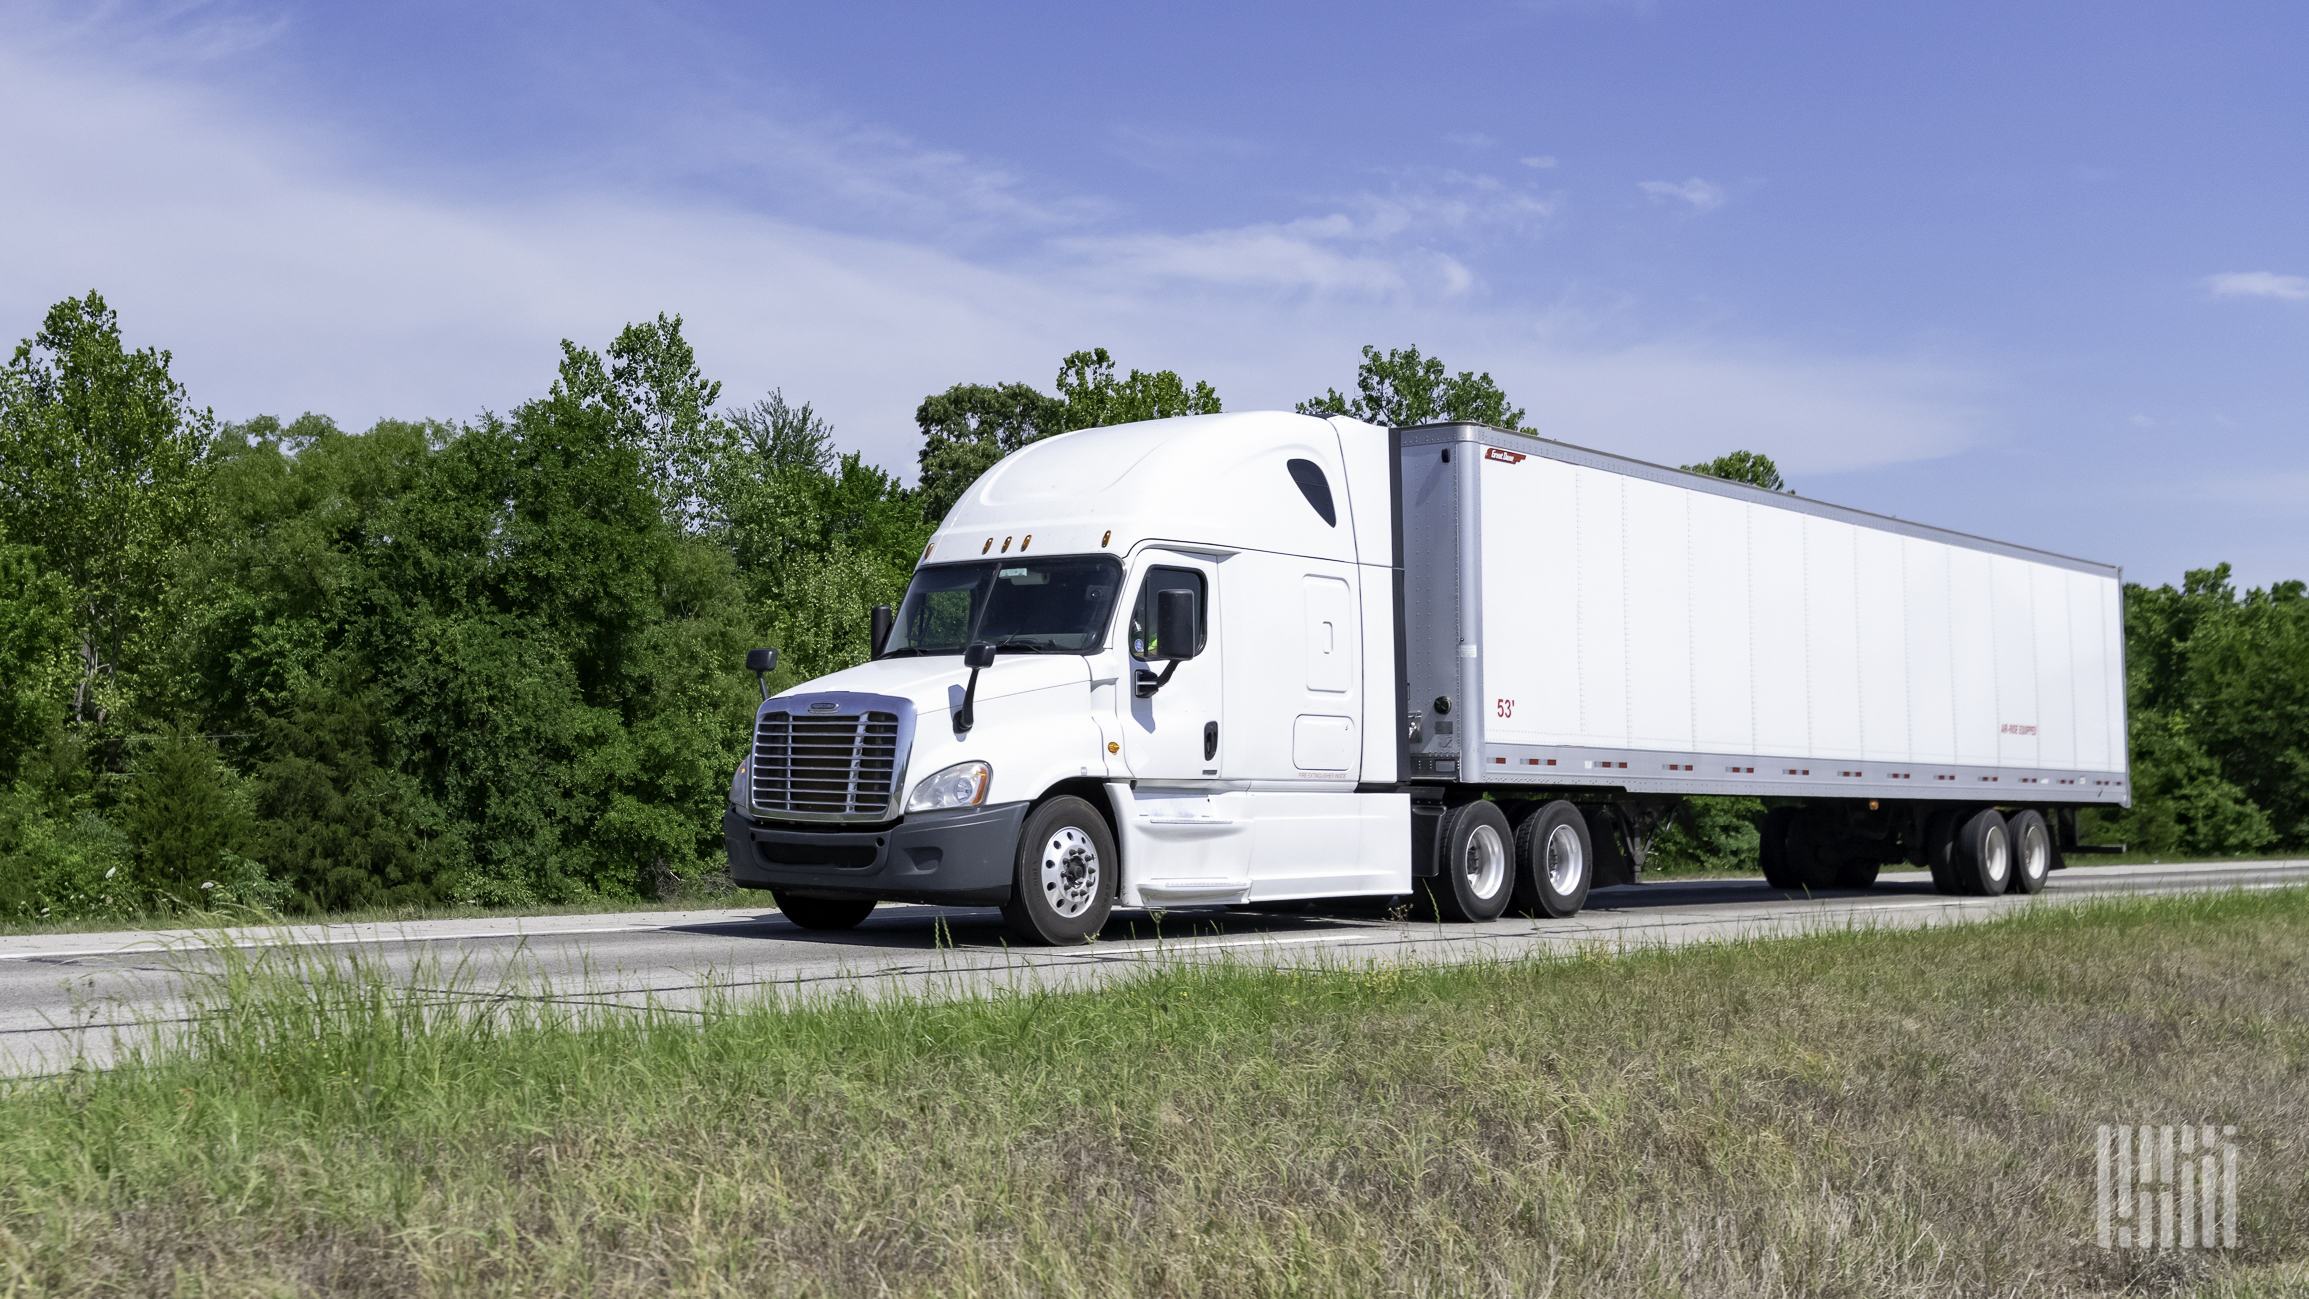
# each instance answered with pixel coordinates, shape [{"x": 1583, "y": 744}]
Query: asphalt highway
[{"x": 73, "y": 1000}]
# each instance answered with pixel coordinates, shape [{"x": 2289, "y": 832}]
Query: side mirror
[
  {"x": 1175, "y": 625},
  {"x": 974, "y": 657},
  {"x": 762, "y": 662},
  {"x": 884, "y": 620}
]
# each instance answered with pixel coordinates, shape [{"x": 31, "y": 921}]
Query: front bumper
[{"x": 966, "y": 857}]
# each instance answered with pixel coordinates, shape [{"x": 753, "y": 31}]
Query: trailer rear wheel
[
  {"x": 1983, "y": 857},
  {"x": 1064, "y": 889},
  {"x": 1812, "y": 849},
  {"x": 1772, "y": 853},
  {"x": 1478, "y": 874},
  {"x": 822, "y": 913},
  {"x": 1554, "y": 862},
  {"x": 1851, "y": 874},
  {"x": 2031, "y": 851},
  {"x": 1940, "y": 848}
]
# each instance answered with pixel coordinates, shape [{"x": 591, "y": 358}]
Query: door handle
[{"x": 1210, "y": 740}]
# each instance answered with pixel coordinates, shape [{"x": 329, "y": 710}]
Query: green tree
[
  {"x": 969, "y": 427},
  {"x": 1710, "y": 833},
  {"x": 2181, "y": 802},
  {"x": 1751, "y": 467},
  {"x": 2219, "y": 700},
  {"x": 1400, "y": 388},
  {"x": 100, "y": 468},
  {"x": 35, "y": 652},
  {"x": 648, "y": 384},
  {"x": 333, "y": 817},
  {"x": 1094, "y": 398},
  {"x": 184, "y": 818}
]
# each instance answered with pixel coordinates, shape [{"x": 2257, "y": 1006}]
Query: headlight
[{"x": 961, "y": 785}]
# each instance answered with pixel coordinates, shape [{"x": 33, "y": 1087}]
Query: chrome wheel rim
[
  {"x": 1566, "y": 864},
  {"x": 1485, "y": 862},
  {"x": 1995, "y": 855},
  {"x": 2035, "y": 854},
  {"x": 1069, "y": 871}
]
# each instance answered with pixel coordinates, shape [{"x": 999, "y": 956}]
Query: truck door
[{"x": 1174, "y": 734}]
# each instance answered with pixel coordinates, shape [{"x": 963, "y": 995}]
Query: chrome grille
[{"x": 826, "y": 764}]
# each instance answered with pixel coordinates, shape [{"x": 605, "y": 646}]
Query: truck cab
[{"x": 1146, "y": 665}]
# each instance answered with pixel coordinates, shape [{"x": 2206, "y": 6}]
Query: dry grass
[{"x": 1849, "y": 1114}]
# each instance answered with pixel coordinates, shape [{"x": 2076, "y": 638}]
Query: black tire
[
  {"x": 1940, "y": 848},
  {"x": 1812, "y": 859},
  {"x": 1475, "y": 860},
  {"x": 1063, "y": 889},
  {"x": 1983, "y": 858},
  {"x": 1607, "y": 864},
  {"x": 2031, "y": 841},
  {"x": 1857, "y": 874},
  {"x": 1554, "y": 862},
  {"x": 823, "y": 913},
  {"x": 1772, "y": 854}
]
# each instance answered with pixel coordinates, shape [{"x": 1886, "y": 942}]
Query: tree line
[{"x": 497, "y": 661}]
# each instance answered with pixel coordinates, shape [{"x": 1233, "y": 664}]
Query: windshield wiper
[{"x": 902, "y": 651}]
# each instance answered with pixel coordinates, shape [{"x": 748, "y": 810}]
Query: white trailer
[{"x": 1244, "y": 659}]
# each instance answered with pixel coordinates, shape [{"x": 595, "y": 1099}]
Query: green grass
[{"x": 1854, "y": 1113}]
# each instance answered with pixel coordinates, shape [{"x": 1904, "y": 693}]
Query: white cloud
[
  {"x": 1679, "y": 402},
  {"x": 284, "y": 281},
  {"x": 1543, "y": 161},
  {"x": 1470, "y": 140},
  {"x": 1700, "y": 194},
  {"x": 1178, "y": 153},
  {"x": 2257, "y": 284}
]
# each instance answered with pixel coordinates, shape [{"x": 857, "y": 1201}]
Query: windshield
[{"x": 1053, "y": 606}]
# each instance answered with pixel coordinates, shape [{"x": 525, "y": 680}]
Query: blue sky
[{"x": 2038, "y": 272}]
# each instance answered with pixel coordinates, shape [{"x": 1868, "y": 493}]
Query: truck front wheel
[{"x": 1064, "y": 887}]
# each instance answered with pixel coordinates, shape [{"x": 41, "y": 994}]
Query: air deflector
[{"x": 1316, "y": 488}]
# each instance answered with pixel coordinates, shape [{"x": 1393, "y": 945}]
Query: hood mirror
[
  {"x": 978, "y": 655},
  {"x": 762, "y": 662}
]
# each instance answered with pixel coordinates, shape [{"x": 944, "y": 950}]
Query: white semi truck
[{"x": 1260, "y": 658}]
